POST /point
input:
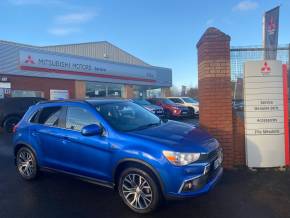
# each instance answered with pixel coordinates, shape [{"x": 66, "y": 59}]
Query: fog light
[
  {"x": 193, "y": 184},
  {"x": 187, "y": 186}
]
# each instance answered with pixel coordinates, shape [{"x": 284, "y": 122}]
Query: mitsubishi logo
[
  {"x": 29, "y": 60},
  {"x": 265, "y": 69}
]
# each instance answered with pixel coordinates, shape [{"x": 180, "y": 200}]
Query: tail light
[{"x": 15, "y": 127}]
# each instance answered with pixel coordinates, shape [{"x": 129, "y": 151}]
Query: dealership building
[{"x": 96, "y": 69}]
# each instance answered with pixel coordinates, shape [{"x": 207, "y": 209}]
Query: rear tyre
[
  {"x": 138, "y": 190},
  {"x": 26, "y": 163},
  {"x": 9, "y": 123}
]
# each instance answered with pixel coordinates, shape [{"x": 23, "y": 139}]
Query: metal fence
[{"x": 240, "y": 55}]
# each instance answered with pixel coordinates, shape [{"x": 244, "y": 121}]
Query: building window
[
  {"x": 115, "y": 90},
  {"x": 95, "y": 89},
  {"x": 26, "y": 93},
  {"x": 153, "y": 93}
]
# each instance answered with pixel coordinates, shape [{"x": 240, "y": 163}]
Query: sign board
[
  {"x": 5, "y": 85},
  {"x": 56, "y": 94},
  {"x": 264, "y": 114},
  {"x": 54, "y": 63}
]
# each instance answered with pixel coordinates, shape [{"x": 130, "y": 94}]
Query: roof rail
[{"x": 60, "y": 101}]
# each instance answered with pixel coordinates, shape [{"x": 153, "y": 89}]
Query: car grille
[{"x": 209, "y": 156}]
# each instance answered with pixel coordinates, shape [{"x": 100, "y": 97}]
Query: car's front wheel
[
  {"x": 139, "y": 190},
  {"x": 26, "y": 163}
]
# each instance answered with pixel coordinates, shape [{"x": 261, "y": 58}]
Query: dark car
[
  {"x": 157, "y": 110},
  {"x": 117, "y": 144},
  {"x": 238, "y": 105},
  {"x": 171, "y": 109},
  {"x": 12, "y": 110}
]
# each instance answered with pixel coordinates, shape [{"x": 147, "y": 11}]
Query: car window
[
  {"x": 48, "y": 116},
  {"x": 34, "y": 117},
  {"x": 127, "y": 116},
  {"x": 78, "y": 117},
  {"x": 190, "y": 100},
  {"x": 152, "y": 101},
  {"x": 176, "y": 100},
  {"x": 141, "y": 102},
  {"x": 167, "y": 101}
]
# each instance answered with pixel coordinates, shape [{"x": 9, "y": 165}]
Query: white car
[{"x": 192, "y": 104}]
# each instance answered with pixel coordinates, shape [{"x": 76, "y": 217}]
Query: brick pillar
[
  {"x": 165, "y": 92},
  {"x": 215, "y": 95},
  {"x": 79, "y": 89},
  {"x": 128, "y": 91}
]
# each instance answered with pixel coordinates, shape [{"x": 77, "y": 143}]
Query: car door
[
  {"x": 91, "y": 155},
  {"x": 48, "y": 131}
]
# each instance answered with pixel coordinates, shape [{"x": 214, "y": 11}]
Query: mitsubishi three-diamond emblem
[
  {"x": 265, "y": 69},
  {"x": 29, "y": 60}
]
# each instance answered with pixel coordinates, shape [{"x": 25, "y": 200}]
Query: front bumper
[
  {"x": 194, "y": 179},
  {"x": 202, "y": 190}
]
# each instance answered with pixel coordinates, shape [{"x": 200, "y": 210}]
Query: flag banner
[{"x": 271, "y": 29}]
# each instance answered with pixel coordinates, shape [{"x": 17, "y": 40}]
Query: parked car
[
  {"x": 118, "y": 144},
  {"x": 238, "y": 105},
  {"x": 12, "y": 109},
  {"x": 171, "y": 109},
  {"x": 157, "y": 110},
  {"x": 192, "y": 104}
]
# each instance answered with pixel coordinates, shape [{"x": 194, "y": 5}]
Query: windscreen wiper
[{"x": 147, "y": 126}]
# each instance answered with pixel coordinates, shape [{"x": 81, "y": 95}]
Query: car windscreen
[
  {"x": 141, "y": 102},
  {"x": 127, "y": 116},
  {"x": 190, "y": 100}
]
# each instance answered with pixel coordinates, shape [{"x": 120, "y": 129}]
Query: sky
[{"x": 160, "y": 32}]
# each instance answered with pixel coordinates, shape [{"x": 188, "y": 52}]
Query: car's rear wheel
[
  {"x": 26, "y": 163},
  {"x": 9, "y": 123},
  {"x": 138, "y": 190}
]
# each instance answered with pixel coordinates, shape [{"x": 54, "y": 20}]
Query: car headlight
[{"x": 181, "y": 159}]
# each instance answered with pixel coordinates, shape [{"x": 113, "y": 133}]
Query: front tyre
[
  {"x": 138, "y": 190},
  {"x": 26, "y": 163}
]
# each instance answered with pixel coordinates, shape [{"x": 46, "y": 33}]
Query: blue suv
[{"x": 118, "y": 144}]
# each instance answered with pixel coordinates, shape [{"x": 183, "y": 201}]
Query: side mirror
[{"x": 91, "y": 130}]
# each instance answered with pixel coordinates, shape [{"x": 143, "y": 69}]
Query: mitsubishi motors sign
[
  {"x": 30, "y": 60},
  {"x": 266, "y": 114}
]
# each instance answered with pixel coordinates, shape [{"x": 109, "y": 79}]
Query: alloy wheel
[
  {"x": 137, "y": 191},
  {"x": 25, "y": 163}
]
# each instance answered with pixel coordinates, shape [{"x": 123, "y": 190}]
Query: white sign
[
  {"x": 59, "y": 94},
  {"x": 264, "y": 114},
  {"x": 44, "y": 62},
  {"x": 5, "y": 85}
]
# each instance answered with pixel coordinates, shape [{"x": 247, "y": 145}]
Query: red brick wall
[
  {"x": 239, "y": 139},
  {"x": 76, "y": 88},
  {"x": 214, "y": 82}
]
